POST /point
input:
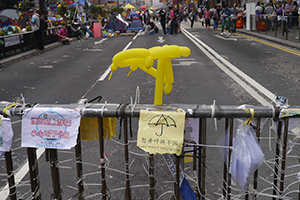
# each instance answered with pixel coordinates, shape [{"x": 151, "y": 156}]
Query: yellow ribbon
[
  {"x": 4, "y": 110},
  {"x": 248, "y": 121}
]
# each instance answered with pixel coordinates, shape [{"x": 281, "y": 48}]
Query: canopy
[
  {"x": 129, "y": 6},
  {"x": 144, "y": 7},
  {"x": 10, "y": 13}
]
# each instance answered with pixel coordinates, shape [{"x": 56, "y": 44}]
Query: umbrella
[
  {"x": 162, "y": 120},
  {"x": 10, "y": 13},
  {"x": 129, "y": 6},
  {"x": 144, "y": 7}
]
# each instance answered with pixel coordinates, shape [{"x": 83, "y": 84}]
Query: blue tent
[
  {"x": 136, "y": 24},
  {"x": 114, "y": 25}
]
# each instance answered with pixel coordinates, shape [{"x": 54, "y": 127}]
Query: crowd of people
[{"x": 224, "y": 16}]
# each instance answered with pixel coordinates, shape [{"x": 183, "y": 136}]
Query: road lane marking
[
  {"x": 46, "y": 67},
  {"x": 297, "y": 53},
  {"x": 217, "y": 59},
  {"x": 226, "y": 38},
  {"x": 101, "y": 41},
  {"x": 93, "y": 50}
]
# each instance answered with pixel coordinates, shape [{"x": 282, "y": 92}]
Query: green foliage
[
  {"x": 24, "y": 5},
  {"x": 62, "y": 9},
  {"x": 72, "y": 11},
  {"x": 3, "y": 32}
]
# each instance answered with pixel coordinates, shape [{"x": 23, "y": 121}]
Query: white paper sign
[
  {"x": 6, "y": 135},
  {"x": 53, "y": 128}
]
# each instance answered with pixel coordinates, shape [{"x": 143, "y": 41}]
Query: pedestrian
[
  {"x": 287, "y": 12},
  {"x": 233, "y": 17},
  {"x": 63, "y": 35},
  {"x": 215, "y": 18},
  {"x": 178, "y": 16},
  {"x": 162, "y": 19},
  {"x": 294, "y": 15},
  {"x": 278, "y": 13},
  {"x": 192, "y": 17},
  {"x": 207, "y": 18},
  {"x": 35, "y": 26},
  {"x": 225, "y": 19},
  {"x": 270, "y": 19}
]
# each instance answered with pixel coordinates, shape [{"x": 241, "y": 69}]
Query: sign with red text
[{"x": 53, "y": 128}]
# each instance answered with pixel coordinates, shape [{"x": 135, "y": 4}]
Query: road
[{"x": 232, "y": 70}]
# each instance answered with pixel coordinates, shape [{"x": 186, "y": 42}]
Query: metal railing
[
  {"x": 127, "y": 111},
  {"x": 286, "y": 27}
]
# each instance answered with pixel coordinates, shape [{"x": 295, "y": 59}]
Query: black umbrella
[{"x": 162, "y": 120}]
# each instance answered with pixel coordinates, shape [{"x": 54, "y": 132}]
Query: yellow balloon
[
  {"x": 133, "y": 67},
  {"x": 168, "y": 88},
  {"x": 130, "y": 53},
  {"x": 185, "y": 52},
  {"x": 113, "y": 67},
  {"x": 130, "y": 61},
  {"x": 149, "y": 62},
  {"x": 169, "y": 72}
]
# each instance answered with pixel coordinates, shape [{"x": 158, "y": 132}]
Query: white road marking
[
  {"x": 101, "y": 41},
  {"x": 105, "y": 74},
  {"x": 66, "y": 56},
  {"x": 92, "y": 50},
  {"x": 217, "y": 59},
  {"x": 160, "y": 39},
  {"x": 226, "y": 38},
  {"x": 137, "y": 34},
  {"x": 46, "y": 67}
]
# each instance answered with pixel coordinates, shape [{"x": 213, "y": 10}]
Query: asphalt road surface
[{"x": 230, "y": 69}]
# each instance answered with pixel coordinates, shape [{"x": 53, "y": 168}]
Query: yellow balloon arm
[
  {"x": 110, "y": 75},
  {"x": 151, "y": 71},
  {"x": 129, "y": 73}
]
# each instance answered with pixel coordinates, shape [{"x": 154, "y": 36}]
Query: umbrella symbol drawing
[{"x": 162, "y": 120}]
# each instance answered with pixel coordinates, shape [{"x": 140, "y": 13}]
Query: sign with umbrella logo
[{"x": 161, "y": 132}]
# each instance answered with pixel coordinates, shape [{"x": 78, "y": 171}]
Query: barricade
[{"x": 125, "y": 112}]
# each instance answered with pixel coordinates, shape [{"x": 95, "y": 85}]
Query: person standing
[
  {"x": 192, "y": 17},
  {"x": 287, "y": 12},
  {"x": 234, "y": 15},
  {"x": 173, "y": 21},
  {"x": 35, "y": 26},
  {"x": 207, "y": 18},
  {"x": 162, "y": 19},
  {"x": 215, "y": 18},
  {"x": 225, "y": 15}
]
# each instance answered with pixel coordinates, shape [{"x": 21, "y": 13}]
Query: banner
[
  {"x": 161, "y": 132},
  {"x": 53, "y": 128},
  {"x": 6, "y": 135}
]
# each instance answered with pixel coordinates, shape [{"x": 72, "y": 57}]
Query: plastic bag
[{"x": 246, "y": 157}]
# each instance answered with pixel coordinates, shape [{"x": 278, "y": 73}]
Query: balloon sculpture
[{"x": 144, "y": 59}]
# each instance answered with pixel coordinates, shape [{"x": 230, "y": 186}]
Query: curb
[{"x": 21, "y": 56}]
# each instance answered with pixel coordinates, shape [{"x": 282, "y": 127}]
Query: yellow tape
[
  {"x": 248, "y": 121},
  {"x": 4, "y": 110}
]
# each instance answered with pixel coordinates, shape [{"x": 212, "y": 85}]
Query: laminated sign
[
  {"x": 161, "y": 132},
  {"x": 53, "y": 128},
  {"x": 6, "y": 135}
]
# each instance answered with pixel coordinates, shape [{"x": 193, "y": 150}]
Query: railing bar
[
  {"x": 199, "y": 154},
  {"x": 79, "y": 166},
  {"x": 256, "y": 172},
  {"x": 10, "y": 176},
  {"x": 225, "y": 166},
  {"x": 283, "y": 162},
  {"x": 102, "y": 158},
  {"x": 33, "y": 172},
  {"x": 127, "y": 191},
  {"x": 55, "y": 174},
  {"x": 277, "y": 158},
  {"x": 203, "y": 158},
  {"x": 229, "y": 158}
]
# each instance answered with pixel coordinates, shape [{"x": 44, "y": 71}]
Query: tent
[
  {"x": 114, "y": 24},
  {"x": 134, "y": 14},
  {"x": 10, "y": 13},
  {"x": 136, "y": 24},
  {"x": 129, "y": 6},
  {"x": 5, "y": 21},
  {"x": 144, "y": 7}
]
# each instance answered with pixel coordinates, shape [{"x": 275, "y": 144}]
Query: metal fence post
[
  {"x": 203, "y": 158},
  {"x": 199, "y": 154},
  {"x": 225, "y": 166},
  {"x": 102, "y": 158},
  {"x": 128, "y": 190},
  {"x": 34, "y": 174},
  {"x": 277, "y": 158},
  {"x": 10, "y": 176},
  {"x": 229, "y": 158},
  {"x": 258, "y": 138},
  {"x": 79, "y": 167},
  {"x": 151, "y": 174},
  {"x": 283, "y": 161},
  {"x": 55, "y": 174}
]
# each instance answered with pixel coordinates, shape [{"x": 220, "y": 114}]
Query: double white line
[{"x": 233, "y": 72}]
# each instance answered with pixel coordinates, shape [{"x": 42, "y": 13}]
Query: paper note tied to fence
[
  {"x": 161, "y": 132},
  {"x": 89, "y": 128}
]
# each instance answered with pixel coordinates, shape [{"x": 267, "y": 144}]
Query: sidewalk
[{"x": 261, "y": 35}]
